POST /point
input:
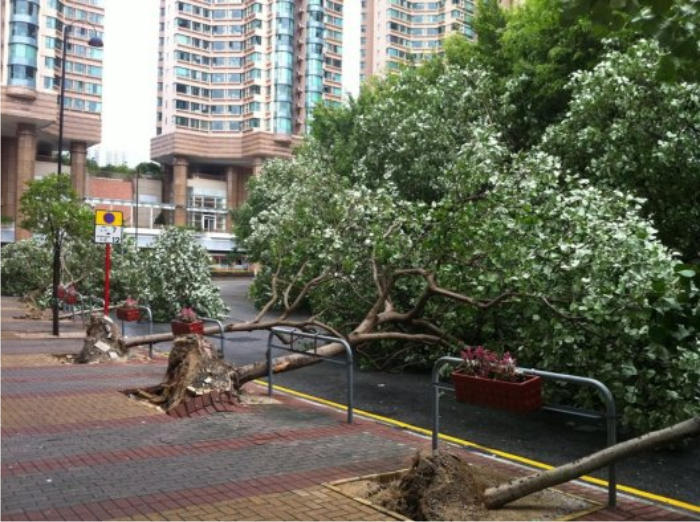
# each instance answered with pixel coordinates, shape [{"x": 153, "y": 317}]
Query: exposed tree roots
[
  {"x": 435, "y": 486},
  {"x": 102, "y": 342},
  {"x": 194, "y": 368}
]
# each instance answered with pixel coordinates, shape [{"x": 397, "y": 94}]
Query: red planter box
[
  {"x": 182, "y": 328},
  {"x": 61, "y": 292},
  {"x": 71, "y": 299},
  {"x": 129, "y": 314},
  {"x": 519, "y": 397}
]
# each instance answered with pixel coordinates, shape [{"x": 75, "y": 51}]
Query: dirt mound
[{"x": 438, "y": 486}]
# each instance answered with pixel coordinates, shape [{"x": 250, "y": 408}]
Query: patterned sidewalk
[{"x": 75, "y": 448}]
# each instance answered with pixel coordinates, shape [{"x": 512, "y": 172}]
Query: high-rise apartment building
[
  {"x": 396, "y": 32},
  {"x": 31, "y": 60},
  {"x": 237, "y": 82}
]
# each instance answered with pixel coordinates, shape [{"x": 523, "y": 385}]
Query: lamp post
[
  {"x": 95, "y": 41},
  {"x": 136, "y": 221}
]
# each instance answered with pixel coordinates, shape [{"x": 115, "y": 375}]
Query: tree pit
[{"x": 442, "y": 486}]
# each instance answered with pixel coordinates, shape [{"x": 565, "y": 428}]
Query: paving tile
[{"x": 75, "y": 448}]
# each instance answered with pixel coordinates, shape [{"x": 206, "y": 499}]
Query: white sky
[{"x": 130, "y": 72}]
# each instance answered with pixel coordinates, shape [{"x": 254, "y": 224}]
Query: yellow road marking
[{"x": 462, "y": 442}]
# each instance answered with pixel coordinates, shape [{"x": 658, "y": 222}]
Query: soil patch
[{"x": 445, "y": 487}]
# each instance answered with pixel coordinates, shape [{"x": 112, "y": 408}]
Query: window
[
  {"x": 22, "y": 51},
  {"x": 22, "y": 75}
]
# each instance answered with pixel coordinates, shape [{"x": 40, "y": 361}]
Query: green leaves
[
  {"x": 52, "y": 208},
  {"x": 626, "y": 129},
  {"x": 178, "y": 276},
  {"x": 421, "y": 172}
]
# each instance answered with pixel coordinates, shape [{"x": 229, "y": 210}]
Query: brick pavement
[{"x": 75, "y": 448}]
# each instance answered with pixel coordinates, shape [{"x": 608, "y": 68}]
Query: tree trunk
[
  {"x": 102, "y": 342},
  {"x": 289, "y": 362},
  {"x": 194, "y": 368},
  {"x": 501, "y": 495}
]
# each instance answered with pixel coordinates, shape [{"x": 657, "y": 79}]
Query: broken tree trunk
[
  {"x": 499, "y": 496},
  {"x": 103, "y": 342},
  {"x": 194, "y": 368},
  {"x": 288, "y": 362}
]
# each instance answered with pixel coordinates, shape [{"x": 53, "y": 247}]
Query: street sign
[
  {"x": 107, "y": 234},
  {"x": 112, "y": 218},
  {"x": 108, "y": 230},
  {"x": 108, "y": 226}
]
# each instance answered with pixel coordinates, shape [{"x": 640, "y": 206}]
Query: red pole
[{"x": 108, "y": 252}]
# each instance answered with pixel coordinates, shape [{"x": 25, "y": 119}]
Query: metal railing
[
  {"x": 605, "y": 394},
  {"x": 221, "y": 337},
  {"x": 147, "y": 309},
  {"x": 293, "y": 333}
]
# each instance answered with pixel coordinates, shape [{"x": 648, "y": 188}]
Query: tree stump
[
  {"x": 194, "y": 368},
  {"x": 102, "y": 342},
  {"x": 436, "y": 483}
]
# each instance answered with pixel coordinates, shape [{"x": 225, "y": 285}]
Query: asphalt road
[{"x": 546, "y": 437}]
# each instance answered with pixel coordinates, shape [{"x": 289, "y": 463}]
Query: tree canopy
[
  {"x": 52, "y": 208},
  {"x": 627, "y": 129},
  {"x": 465, "y": 201}
]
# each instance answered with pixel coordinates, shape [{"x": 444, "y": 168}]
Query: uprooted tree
[
  {"x": 515, "y": 253},
  {"x": 441, "y": 485},
  {"x": 195, "y": 367},
  {"x": 435, "y": 235},
  {"x": 409, "y": 226}
]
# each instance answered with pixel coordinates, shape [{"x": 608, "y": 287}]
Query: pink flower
[
  {"x": 187, "y": 315},
  {"x": 484, "y": 363},
  {"x": 131, "y": 303}
]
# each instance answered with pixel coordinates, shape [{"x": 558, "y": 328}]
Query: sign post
[
  {"x": 108, "y": 267},
  {"x": 108, "y": 230}
]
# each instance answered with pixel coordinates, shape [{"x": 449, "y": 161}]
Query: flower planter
[
  {"x": 182, "y": 328},
  {"x": 129, "y": 314},
  {"x": 71, "y": 299},
  {"x": 519, "y": 397},
  {"x": 61, "y": 292}
]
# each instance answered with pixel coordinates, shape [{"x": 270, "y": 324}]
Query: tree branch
[
  {"x": 397, "y": 336},
  {"x": 316, "y": 281},
  {"x": 273, "y": 299},
  {"x": 291, "y": 285}
]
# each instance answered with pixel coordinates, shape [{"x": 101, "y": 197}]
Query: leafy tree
[
  {"x": 92, "y": 166},
  {"x": 51, "y": 207},
  {"x": 628, "y": 129},
  {"x": 26, "y": 268},
  {"x": 542, "y": 51},
  {"x": 179, "y": 276},
  {"x": 436, "y": 234},
  {"x": 150, "y": 168},
  {"x": 672, "y": 24},
  {"x": 122, "y": 169}
]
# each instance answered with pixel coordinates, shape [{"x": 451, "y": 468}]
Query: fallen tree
[
  {"x": 441, "y": 485},
  {"x": 499, "y": 496},
  {"x": 191, "y": 362},
  {"x": 196, "y": 368}
]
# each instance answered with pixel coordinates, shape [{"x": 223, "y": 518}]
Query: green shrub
[{"x": 179, "y": 276}]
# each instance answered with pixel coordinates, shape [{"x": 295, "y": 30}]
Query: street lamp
[
  {"x": 95, "y": 41},
  {"x": 136, "y": 221}
]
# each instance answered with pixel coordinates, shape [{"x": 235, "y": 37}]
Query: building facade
[
  {"x": 31, "y": 60},
  {"x": 237, "y": 83},
  {"x": 396, "y": 32}
]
